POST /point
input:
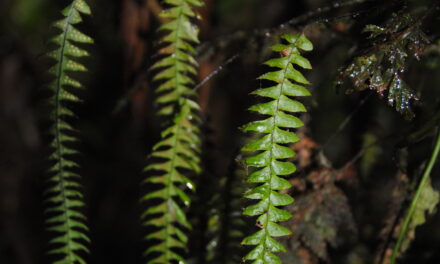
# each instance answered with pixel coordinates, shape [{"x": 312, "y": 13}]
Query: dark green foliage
[
  {"x": 270, "y": 152},
  {"x": 231, "y": 226},
  {"x": 177, "y": 151},
  {"x": 64, "y": 195},
  {"x": 382, "y": 68},
  {"x": 178, "y": 65},
  {"x": 177, "y": 155}
]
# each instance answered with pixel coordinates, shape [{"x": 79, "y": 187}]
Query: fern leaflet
[
  {"x": 178, "y": 150},
  {"x": 63, "y": 194},
  {"x": 270, "y": 155}
]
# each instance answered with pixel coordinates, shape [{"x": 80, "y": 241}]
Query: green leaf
[
  {"x": 256, "y": 209},
  {"x": 276, "y": 230},
  {"x": 274, "y": 246},
  {"x": 255, "y": 253},
  {"x": 278, "y": 183},
  {"x": 299, "y": 40},
  {"x": 255, "y": 239},
  {"x": 263, "y": 126},
  {"x": 280, "y": 199}
]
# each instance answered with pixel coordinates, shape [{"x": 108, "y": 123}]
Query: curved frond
[
  {"x": 64, "y": 196},
  {"x": 177, "y": 154},
  {"x": 270, "y": 155}
]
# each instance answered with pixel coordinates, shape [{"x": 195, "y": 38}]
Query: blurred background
[{"x": 356, "y": 137}]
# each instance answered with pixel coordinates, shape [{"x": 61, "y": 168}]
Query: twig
[
  {"x": 346, "y": 120},
  {"x": 424, "y": 131},
  {"x": 303, "y": 19},
  {"x": 360, "y": 153},
  {"x": 216, "y": 71}
]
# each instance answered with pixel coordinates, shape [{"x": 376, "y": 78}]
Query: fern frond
[
  {"x": 178, "y": 64},
  {"x": 64, "y": 197},
  {"x": 270, "y": 154},
  {"x": 232, "y": 226},
  {"x": 177, "y": 153}
]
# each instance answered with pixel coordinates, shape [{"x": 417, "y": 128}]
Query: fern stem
[
  {"x": 272, "y": 141},
  {"x": 59, "y": 145},
  {"x": 63, "y": 194},
  {"x": 169, "y": 185},
  {"x": 60, "y": 152},
  {"x": 408, "y": 216},
  {"x": 177, "y": 152},
  {"x": 176, "y": 39},
  {"x": 271, "y": 154}
]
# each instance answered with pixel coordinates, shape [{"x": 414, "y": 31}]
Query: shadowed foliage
[{"x": 64, "y": 195}]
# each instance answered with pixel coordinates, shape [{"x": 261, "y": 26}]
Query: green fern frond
[
  {"x": 178, "y": 64},
  {"x": 232, "y": 226},
  {"x": 178, "y": 152},
  {"x": 270, "y": 154},
  {"x": 64, "y": 197}
]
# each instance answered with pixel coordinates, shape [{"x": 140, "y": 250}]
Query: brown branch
[{"x": 306, "y": 19}]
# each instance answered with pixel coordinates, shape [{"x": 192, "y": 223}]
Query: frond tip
[
  {"x": 270, "y": 155},
  {"x": 178, "y": 66},
  {"x": 64, "y": 197}
]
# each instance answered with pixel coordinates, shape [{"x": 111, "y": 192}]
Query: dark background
[{"x": 118, "y": 126}]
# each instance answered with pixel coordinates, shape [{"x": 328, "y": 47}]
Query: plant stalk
[{"x": 414, "y": 201}]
